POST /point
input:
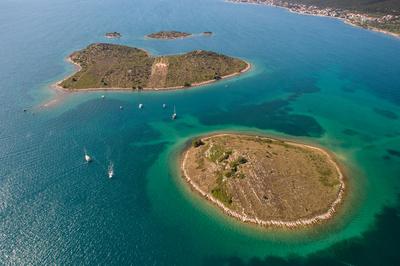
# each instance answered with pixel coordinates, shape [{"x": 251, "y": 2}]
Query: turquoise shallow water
[{"x": 314, "y": 79}]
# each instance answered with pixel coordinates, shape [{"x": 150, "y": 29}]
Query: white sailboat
[
  {"x": 174, "y": 115},
  {"x": 111, "y": 170},
  {"x": 88, "y": 159}
]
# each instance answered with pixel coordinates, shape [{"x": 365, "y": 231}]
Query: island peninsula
[
  {"x": 264, "y": 181},
  {"x": 104, "y": 66}
]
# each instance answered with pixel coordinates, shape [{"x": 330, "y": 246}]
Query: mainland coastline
[
  {"x": 243, "y": 216},
  {"x": 374, "y": 22}
]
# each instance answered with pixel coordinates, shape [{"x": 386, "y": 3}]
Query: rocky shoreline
[
  {"x": 103, "y": 66},
  {"x": 290, "y": 224},
  {"x": 60, "y": 88}
]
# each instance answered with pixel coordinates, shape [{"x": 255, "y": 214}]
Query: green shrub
[
  {"x": 197, "y": 143},
  {"x": 221, "y": 195},
  {"x": 242, "y": 160},
  {"x": 228, "y": 173},
  {"x": 224, "y": 157},
  {"x": 215, "y": 153}
]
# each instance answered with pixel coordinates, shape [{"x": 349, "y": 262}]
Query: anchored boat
[
  {"x": 111, "y": 170},
  {"x": 174, "y": 115},
  {"x": 88, "y": 159}
]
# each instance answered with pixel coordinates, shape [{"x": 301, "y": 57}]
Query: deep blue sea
[{"x": 315, "y": 80}]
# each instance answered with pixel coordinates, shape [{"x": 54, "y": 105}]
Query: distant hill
[{"x": 369, "y": 6}]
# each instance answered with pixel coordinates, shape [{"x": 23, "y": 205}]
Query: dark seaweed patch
[
  {"x": 350, "y": 132},
  {"x": 348, "y": 88},
  {"x": 298, "y": 92},
  {"x": 378, "y": 246},
  {"x": 304, "y": 89},
  {"x": 386, "y": 113},
  {"x": 386, "y": 157},
  {"x": 273, "y": 114},
  {"x": 393, "y": 152}
]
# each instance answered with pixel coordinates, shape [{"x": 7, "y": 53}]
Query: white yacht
[
  {"x": 88, "y": 159},
  {"x": 174, "y": 115},
  {"x": 111, "y": 170},
  {"x": 140, "y": 105}
]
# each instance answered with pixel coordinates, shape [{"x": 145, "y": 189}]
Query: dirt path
[{"x": 159, "y": 71}]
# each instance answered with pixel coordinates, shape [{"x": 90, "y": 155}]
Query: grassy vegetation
[
  {"x": 327, "y": 176},
  {"x": 168, "y": 35},
  {"x": 197, "y": 143},
  {"x": 234, "y": 167},
  {"x": 108, "y": 65},
  {"x": 199, "y": 66},
  {"x": 264, "y": 178},
  {"x": 216, "y": 152},
  {"x": 235, "y": 164},
  {"x": 220, "y": 194},
  {"x": 117, "y": 66}
]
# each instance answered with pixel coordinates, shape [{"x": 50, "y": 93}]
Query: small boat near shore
[
  {"x": 140, "y": 105},
  {"x": 174, "y": 115}
]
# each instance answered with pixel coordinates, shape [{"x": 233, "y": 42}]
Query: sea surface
[{"x": 314, "y": 80}]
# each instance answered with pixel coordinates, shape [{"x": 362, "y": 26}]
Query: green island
[
  {"x": 112, "y": 35},
  {"x": 264, "y": 181},
  {"x": 111, "y": 66},
  {"x": 168, "y": 35}
]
